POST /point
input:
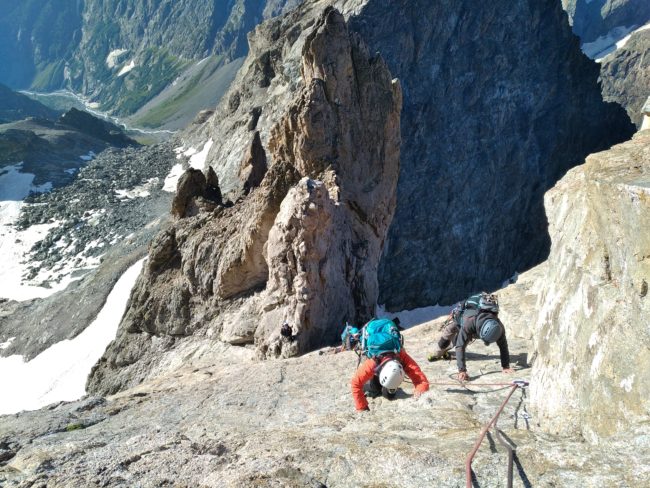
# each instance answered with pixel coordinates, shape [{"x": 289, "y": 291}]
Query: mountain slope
[
  {"x": 625, "y": 75},
  {"x": 595, "y": 18},
  {"x": 121, "y": 53},
  {"x": 220, "y": 419},
  {"x": 15, "y": 106},
  {"x": 492, "y": 118}
]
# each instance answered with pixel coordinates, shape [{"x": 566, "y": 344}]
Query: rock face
[
  {"x": 625, "y": 75},
  {"x": 482, "y": 142},
  {"x": 196, "y": 192},
  {"x": 303, "y": 247},
  {"x": 594, "y": 18},
  {"x": 221, "y": 419},
  {"x": 591, "y": 339}
]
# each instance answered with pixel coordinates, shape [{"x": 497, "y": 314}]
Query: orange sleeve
[
  {"x": 364, "y": 373},
  {"x": 411, "y": 368}
]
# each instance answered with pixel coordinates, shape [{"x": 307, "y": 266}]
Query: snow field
[
  {"x": 197, "y": 161},
  {"x": 126, "y": 68},
  {"x": 417, "y": 316},
  {"x": 15, "y": 245},
  {"x": 615, "y": 39},
  {"x": 59, "y": 373}
]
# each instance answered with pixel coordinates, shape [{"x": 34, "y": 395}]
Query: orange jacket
[{"x": 366, "y": 371}]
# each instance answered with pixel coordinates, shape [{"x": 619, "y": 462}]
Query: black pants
[{"x": 373, "y": 389}]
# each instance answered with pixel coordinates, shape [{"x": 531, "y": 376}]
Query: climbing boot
[{"x": 438, "y": 353}]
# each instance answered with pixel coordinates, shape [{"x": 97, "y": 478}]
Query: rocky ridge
[
  {"x": 14, "y": 107},
  {"x": 592, "y": 19},
  {"x": 520, "y": 137},
  {"x": 625, "y": 75},
  {"x": 302, "y": 247}
]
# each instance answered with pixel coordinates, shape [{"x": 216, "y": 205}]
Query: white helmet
[{"x": 391, "y": 375}]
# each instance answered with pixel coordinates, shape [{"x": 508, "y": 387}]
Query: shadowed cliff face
[
  {"x": 303, "y": 246},
  {"x": 493, "y": 116},
  {"x": 498, "y": 103}
]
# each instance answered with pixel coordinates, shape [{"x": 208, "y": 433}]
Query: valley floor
[{"x": 222, "y": 419}]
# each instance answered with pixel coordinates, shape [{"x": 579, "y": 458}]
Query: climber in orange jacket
[{"x": 383, "y": 375}]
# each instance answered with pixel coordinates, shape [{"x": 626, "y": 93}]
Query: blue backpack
[{"x": 380, "y": 336}]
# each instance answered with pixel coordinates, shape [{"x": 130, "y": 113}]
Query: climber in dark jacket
[
  {"x": 489, "y": 329},
  {"x": 476, "y": 317}
]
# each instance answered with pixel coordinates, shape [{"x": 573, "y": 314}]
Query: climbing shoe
[{"x": 433, "y": 357}]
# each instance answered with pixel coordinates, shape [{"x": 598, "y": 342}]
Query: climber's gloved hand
[{"x": 463, "y": 376}]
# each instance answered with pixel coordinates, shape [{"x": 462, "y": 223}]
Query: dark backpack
[
  {"x": 380, "y": 336},
  {"x": 482, "y": 301},
  {"x": 474, "y": 305}
]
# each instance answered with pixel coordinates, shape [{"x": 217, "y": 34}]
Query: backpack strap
[{"x": 383, "y": 359}]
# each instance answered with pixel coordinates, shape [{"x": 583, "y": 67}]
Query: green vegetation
[
  {"x": 77, "y": 426},
  {"x": 156, "y": 70},
  {"x": 163, "y": 112},
  {"x": 48, "y": 76}
]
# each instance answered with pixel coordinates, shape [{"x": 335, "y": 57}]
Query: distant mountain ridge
[
  {"x": 121, "y": 53},
  {"x": 15, "y": 106}
]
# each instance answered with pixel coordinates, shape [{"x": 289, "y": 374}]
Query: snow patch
[
  {"x": 139, "y": 191},
  {"x": 417, "y": 316},
  {"x": 59, "y": 373},
  {"x": 5, "y": 345},
  {"x": 645, "y": 125},
  {"x": 627, "y": 383},
  {"x": 15, "y": 245},
  {"x": 71, "y": 171},
  {"x": 88, "y": 157},
  {"x": 171, "y": 181},
  {"x": 113, "y": 57},
  {"x": 610, "y": 42},
  {"x": 125, "y": 69},
  {"x": 595, "y": 364},
  {"x": 197, "y": 161}
]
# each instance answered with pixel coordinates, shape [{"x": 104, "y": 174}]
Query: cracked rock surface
[{"x": 220, "y": 418}]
